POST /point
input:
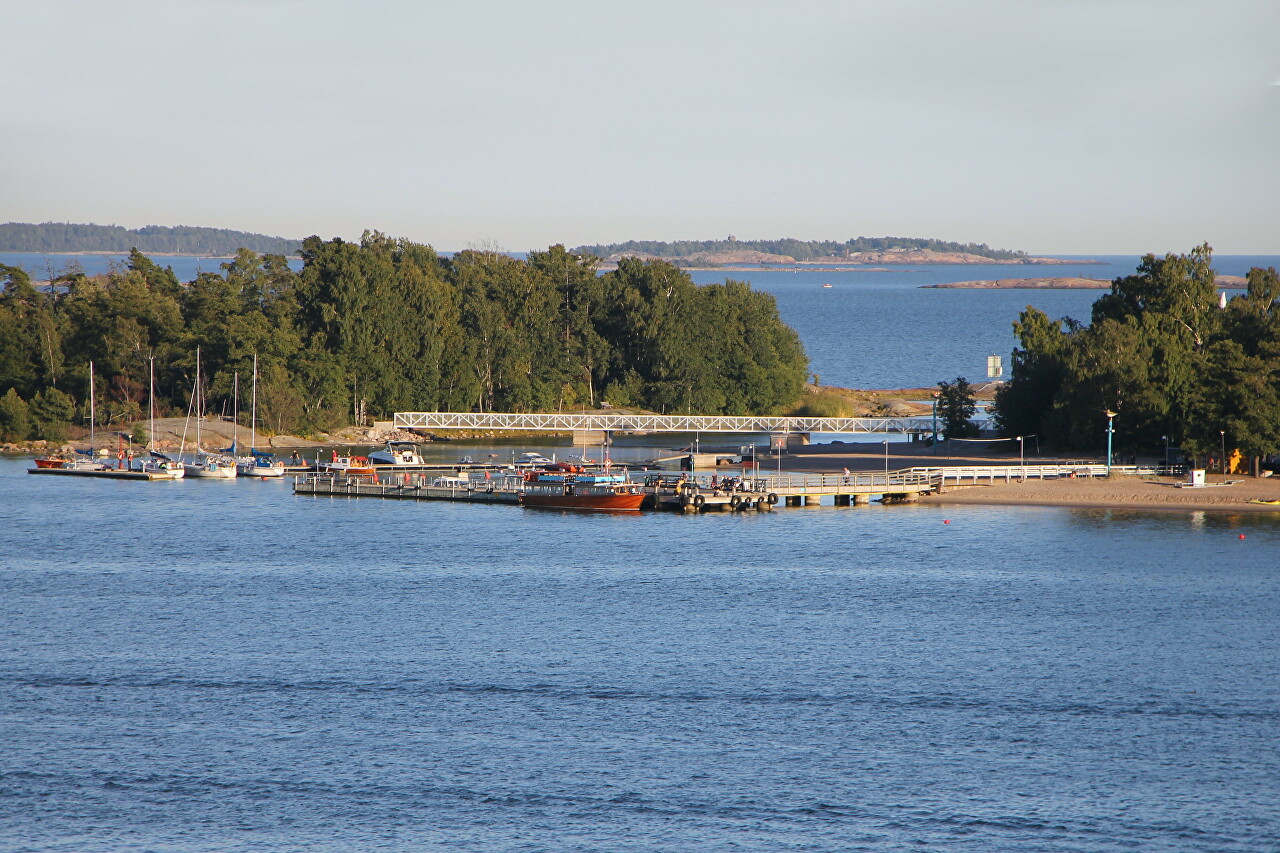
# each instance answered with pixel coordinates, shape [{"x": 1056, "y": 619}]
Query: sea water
[{"x": 221, "y": 666}]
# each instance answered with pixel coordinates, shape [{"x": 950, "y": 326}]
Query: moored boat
[
  {"x": 211, "y": 466},
  {"x": 397, "y": 453},
  {"x": 158, "y": 466},
  {"x": 348, "y": 465},
  {"x": 582, "y": 492}
]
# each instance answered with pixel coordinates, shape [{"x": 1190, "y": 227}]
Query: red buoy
[
  {"x": 1241, "y": 535},
  {"x": 946, "y": 521}
]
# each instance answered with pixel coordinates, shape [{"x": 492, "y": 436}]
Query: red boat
[
  {"x": 582, "y": 492},
  {"x": 50, "y": 461}
]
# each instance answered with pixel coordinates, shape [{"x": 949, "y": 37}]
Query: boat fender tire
[
  {"x": 699, "y": 500},
  {"x": 772, "y": 499},
  {"x": 685, "y": 500},
  {"x": 735, "y": 501}
]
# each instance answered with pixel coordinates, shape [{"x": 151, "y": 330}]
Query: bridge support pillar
[
  {"x": 843, "y": 500},
  {"x": 812, "y": 500},
  {"x": 792, "y": 500}
]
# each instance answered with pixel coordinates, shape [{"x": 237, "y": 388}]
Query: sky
[{"x": 1081, "y": 127}]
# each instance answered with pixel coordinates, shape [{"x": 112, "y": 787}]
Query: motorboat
[
  {"x": 582, "y": 492},
  {"x": 348, "y": 465},
  {"x": 532, "y": 458},
  {"x": 397, "y": 453}
]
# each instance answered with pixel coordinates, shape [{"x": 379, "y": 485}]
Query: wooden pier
[
  {"x": 690, "y": 493},
  {"x": 101, "y": 473}
]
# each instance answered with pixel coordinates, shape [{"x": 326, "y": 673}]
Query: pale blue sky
[{"x": 1071, "y": 127}]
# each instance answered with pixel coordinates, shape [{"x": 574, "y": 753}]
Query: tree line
[
  {"x": 388, "y": 325},
  {"x": 801, "y": 250},
  {"x": 1175, "y": 366},
  {"x": 178, "y": 240}
]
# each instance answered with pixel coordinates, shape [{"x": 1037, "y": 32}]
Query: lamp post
[
  {"x": 886, "y": 461},
  {"x": 934, "y": 446},
  {"x": 1022, "y": 455},
  {"x": 1222, "y": 460},
  {"x": 1166, "y": 453},
  {"x": 1110, "y": 432}
]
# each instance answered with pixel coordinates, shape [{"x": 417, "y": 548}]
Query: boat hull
[
  {"x": 586, "y": 503},
  {"x": 219, "y": 472},
  {"x": 252, "y": 470}
]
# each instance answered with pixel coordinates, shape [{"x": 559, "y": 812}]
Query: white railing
[
  {"x": 614, "y": 422},
  {"x": 912, "y": 478}
]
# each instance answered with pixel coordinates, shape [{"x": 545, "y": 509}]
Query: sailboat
[
  {"x": 206, "y": 465},
  {"x": 87, "y": 460},
  {"x": 156, "y": 465},
  {"x": 257, "y": 463}
]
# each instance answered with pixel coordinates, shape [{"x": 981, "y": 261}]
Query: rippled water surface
[{"x": 204, "y": 666}]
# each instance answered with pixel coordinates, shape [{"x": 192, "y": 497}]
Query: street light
[
  {"x": 886, "y": 461},
  {"x": 935, "y": 423},
  {"x": 1022, "y": 456},
  {"x": 1222, "y": 460},
  {"x": 1110, "y": 432},
  {"x": 1166, "y": 453}
]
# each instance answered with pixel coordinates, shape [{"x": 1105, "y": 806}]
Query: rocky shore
[{"x": 1064, "y": 283}]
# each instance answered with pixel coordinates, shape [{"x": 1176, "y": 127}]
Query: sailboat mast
[
  {"x": 235, "y": 414},
  {"x": 199, "y": 398},
  {"x": 253, "y": 415},
  {"x": 93, "y": 412},
  {"x": 151, "y": 405}
]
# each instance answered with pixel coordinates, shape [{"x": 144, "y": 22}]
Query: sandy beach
[{"x": 1120, "y": 492}]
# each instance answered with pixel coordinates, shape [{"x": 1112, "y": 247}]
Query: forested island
[
  {"x": 858, "y": 250},
  {"x": 66, "y": 237},
  {"x": 387, "y": 325}
]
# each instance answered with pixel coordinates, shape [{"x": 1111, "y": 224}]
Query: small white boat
[
  {"x": 157, "y": 466},
  {"x": 259, "y": 465},
  {"x": 397, "y": 453},
  {"x": 211, "y": 466},
  {"x": 531, "y": 458}
]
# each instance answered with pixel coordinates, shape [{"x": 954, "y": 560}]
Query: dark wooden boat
[{"x": 582, "y": 492}]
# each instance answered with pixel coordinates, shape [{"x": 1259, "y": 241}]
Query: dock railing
[{"x": 921, "y": 478}]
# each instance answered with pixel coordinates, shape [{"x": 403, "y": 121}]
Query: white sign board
[{"x": 994, "y": 369}]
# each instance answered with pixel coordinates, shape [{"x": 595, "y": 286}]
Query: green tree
[
  {"x": 15, "y": 417},
  {"x": 52, "y": 411},
  {"x": 956, "y": 405}
]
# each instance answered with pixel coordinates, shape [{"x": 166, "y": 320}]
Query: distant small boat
[{"x": 828, "y": 284}]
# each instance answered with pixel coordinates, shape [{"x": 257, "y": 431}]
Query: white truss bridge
[{"x": 611, "y": 422}]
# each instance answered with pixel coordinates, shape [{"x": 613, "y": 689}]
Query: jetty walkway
[{"x": 701, "y": 493}]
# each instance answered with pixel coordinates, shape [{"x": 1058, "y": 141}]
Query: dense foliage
[
  {"x": 387, "y": 325},
  {"x": 1162, "y": 353},
  {"x": 179, "y": 240},
  {"x": 956, "y": 406},
  {"x": 801, "y": 250}
]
